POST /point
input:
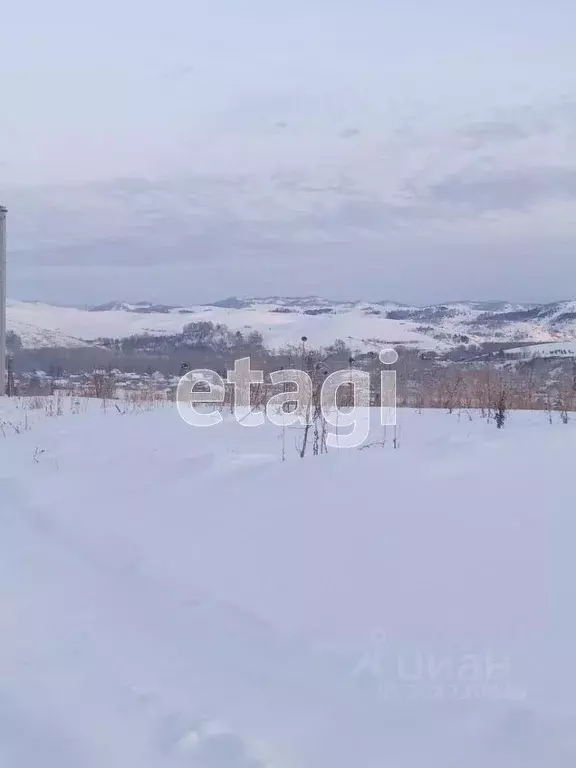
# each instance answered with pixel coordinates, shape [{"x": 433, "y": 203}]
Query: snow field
[
  {"x": 43, "y": 325},
  {"x": 176, "y": 596}
]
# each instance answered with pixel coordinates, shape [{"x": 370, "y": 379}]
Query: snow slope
[
  {"x": 283, "y": 321},
  {"x": 69, "y": 325},
  {"x": 181, "y": 597},
  {"x": 549, "y": 350}
]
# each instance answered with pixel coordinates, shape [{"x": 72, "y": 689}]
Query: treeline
[{"x": 199, "y": 345}]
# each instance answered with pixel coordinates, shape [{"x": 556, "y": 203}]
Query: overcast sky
[{"x": 419, "y": 151}]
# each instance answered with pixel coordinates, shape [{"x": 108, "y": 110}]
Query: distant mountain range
[{"x": 283, "y": 321}]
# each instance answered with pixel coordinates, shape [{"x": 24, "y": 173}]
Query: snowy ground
[
  {"x": 180, "y": 597},
  {"x": 283, "y": 321},
  {"x": 40, "y": 325},
  {"x": 552, "y": 349}
]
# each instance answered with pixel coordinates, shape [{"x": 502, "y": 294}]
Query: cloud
[
  {"x": 495, "y": 131},
  {"x": 554, "y": 119},
  {"x": 349, "y": 133},
  {"x": 434, "y": 193},
  {"x": 517, "y": 189}
]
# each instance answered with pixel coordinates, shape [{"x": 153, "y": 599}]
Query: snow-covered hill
[
  {"x": 176, "y": 597},
  {"x": 280, "y": 323},
  {"x": 553, "y": 349},
  {"x": 283, "y": 321}
]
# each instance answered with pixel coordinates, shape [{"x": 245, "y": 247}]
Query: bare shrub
[
  {"x": 500, "y": 408},
  {"x": 104, "y": 385},
  {"x": 35, "y": 403}
]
